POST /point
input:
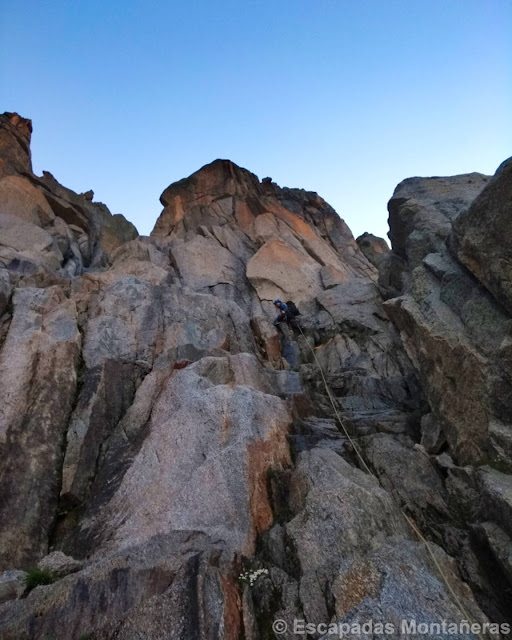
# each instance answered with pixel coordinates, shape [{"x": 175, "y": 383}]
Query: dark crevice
[{"x": 496, "y": 599}]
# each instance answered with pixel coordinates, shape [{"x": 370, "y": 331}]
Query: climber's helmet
[{"x": 277, "y": 302}]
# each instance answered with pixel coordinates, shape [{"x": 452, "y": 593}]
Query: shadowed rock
[{"x": 483, "y": 238}]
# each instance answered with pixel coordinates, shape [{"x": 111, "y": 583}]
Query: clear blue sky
[{"x": 343, "y": 97}]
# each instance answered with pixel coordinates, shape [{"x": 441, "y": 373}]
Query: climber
[
  {"x": 283, "y": 312},
  {"x": 288, "y": 313}
]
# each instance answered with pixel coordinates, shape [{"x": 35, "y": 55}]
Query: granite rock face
[
  {"x": 483, "y": 238},
  {"x": 454, "y": 331},
  {"x": 162, "y": 440},
  {"x": 451, "y": 245},
  {"x": 38, "y": 369}
]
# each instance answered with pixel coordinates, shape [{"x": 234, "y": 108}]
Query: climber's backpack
[{"x": 292, "y": 309}]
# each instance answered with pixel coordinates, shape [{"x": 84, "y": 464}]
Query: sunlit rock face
[
  {"x": 180, "y": 460},
  {"x": 48, "y": 233}
]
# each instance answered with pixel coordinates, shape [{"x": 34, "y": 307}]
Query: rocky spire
[{"x": 15, "y": 135}]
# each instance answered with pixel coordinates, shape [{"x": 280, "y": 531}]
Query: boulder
[{"x": 59, "y": 564}]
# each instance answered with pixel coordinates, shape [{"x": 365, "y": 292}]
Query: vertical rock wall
[
  {"x": 447, "y": 282},
  {"x": 158, "y": 428}
]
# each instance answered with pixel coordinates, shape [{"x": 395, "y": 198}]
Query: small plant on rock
[
  {"x": 252, "y": 576},
  {"x": 36, "y": 577}
]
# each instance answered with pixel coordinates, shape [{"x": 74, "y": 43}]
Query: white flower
[{"x": 252, "y": 576}]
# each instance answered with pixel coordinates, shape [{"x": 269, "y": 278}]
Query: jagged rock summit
[
  {"x": 176, "y": 464},
  {"x": 48, "y": 232}
]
